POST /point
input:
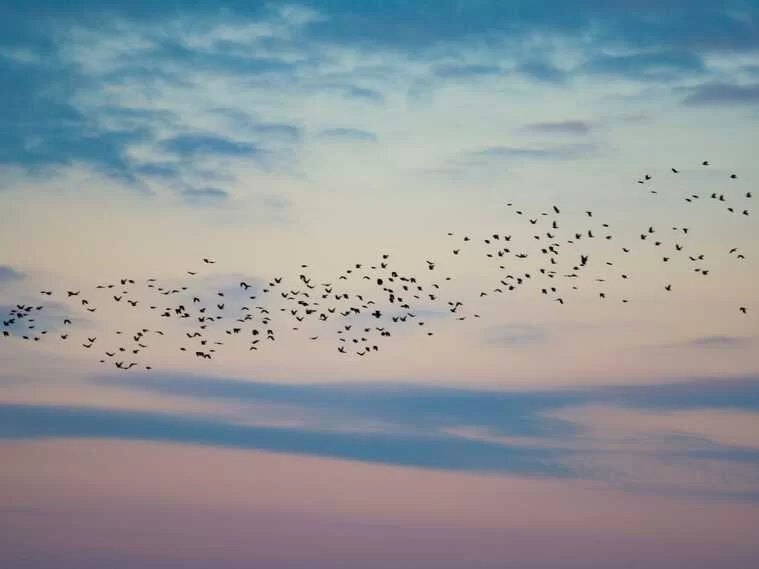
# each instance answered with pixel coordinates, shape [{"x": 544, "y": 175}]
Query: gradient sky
[{"x": 139, "y": 137}]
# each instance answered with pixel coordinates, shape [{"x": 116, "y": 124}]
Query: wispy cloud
[
  {"x": 656, "y": 66},
  {"x": 188, "y": 146},
  {"x": 466, "y": 71},
  {"x": 348, "y": 135},
  {"x": 542, "y": 71},
  {"x": 720, "y": 341},
  {"x": 557, "y": 152},
  {"x": 723, "y": 94},
  {"x": 582, "y": 432},
  {"x": 573, "y": 127},
  {"x": 524, "y": 335},
  {"x": 8, "y": 274},
  {"x": 204, "y": 196},
  {"x": 434, "y": 451}
]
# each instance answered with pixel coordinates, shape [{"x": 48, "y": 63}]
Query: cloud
[
  {"x": 447, "y": 452},
  {"x": 7, "y": 274},
  {"x": 657, "y": 66},
  {"x": 514, "y": 413},
  {"x": 560, "y": 152},
  {"x": 165, "y": 170},
  {"x": 466, "y": 71},
  {"x": 191, "y": 145},
  {"x": 673, "y": 24},
  {"x": 425, "y": 409},
  {"x": 723, "y": 94},
  {"x": 276, "y": 203},
  {"x": 562, "y": 127},
  {"x": 717, "y": 393},
  {"x": 561, "y": 432},
  {"x": 718, "y": 341},
  {"x": 525, "y": 335},
  {"x": 542, "y": 71},
  {"x": 151, "y": 90},
  {"x": 348, "y": 135},
  {"x": 41, "y": 127},
  {"x": 204, "y": 196},
  {"x": 355, "y": 92}
]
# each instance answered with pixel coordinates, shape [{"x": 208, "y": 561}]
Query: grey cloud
[
  {"x": 524, "y": 335},
  {"x": 721, "y": 341},
  {"x": 348, "y": 135},
  {"x": 189, "y": 145},
  {"x": 466, "y": 71},
  {"x": 438, "y": 451},
  {"x": 276, "y": 203},
  {"x": 203, "y": 196},
  {"x": 349, "y": 92},
  {"x": 364, "y": 93},
  {"x": 656, "y": 66},
  {"x": 542, "y": 71},
  {"x": 561, "y": 127},
  {"x": 7, "y": 274},
  {"x": 723, "y": 94},
  {"x": 544, "y": 153}
]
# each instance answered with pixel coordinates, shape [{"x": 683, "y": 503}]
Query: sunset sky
[{"x": 560, "y": 430}]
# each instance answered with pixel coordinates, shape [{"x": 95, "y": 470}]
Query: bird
[{"x": 556, "y": 259}]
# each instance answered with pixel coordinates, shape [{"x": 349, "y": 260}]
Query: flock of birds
[{"x": 359, "y": 319}]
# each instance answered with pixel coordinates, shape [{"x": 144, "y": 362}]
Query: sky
[{"x": 553, "y": 430}]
